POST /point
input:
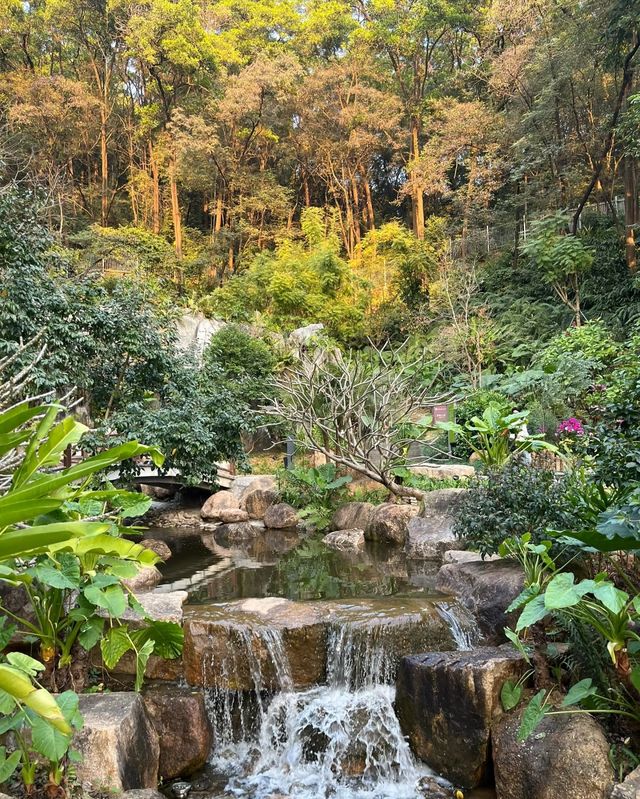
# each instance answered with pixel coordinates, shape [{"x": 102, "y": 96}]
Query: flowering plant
[{"x": 570, "y": 427}]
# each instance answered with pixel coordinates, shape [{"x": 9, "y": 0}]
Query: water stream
[{"x": 338, "y": 740}]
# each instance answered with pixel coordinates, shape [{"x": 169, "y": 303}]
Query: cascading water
[
  {"x": 341, "y": 739},
  {"x": 462, "y": 624}
]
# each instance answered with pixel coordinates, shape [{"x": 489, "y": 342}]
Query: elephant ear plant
[{"x": 61, "y": 545}]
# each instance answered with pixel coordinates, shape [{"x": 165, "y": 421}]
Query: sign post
[{"x": 445, "y": 413}]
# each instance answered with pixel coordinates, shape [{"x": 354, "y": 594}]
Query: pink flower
[{"x": 571, "y": 427}]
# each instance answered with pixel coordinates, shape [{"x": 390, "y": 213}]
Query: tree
[{"x": 362, "y": 410}]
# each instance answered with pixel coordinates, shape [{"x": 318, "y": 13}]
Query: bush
[
  {"x": 508, "y": 502},
  {"x": 244, "y": 362}
]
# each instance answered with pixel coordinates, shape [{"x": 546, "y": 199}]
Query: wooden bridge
[{"x": 149, "y": 475}]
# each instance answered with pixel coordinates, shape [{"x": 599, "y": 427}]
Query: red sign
[{"x": 440, "y": 413}]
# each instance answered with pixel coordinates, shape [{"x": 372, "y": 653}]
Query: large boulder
[
  {"x": 352, "y": 516},
  {"x": 465, "y": 556},
  {"x": 345, "y": 540},
  {"x": 388, "y": 523},
  {"x": 629, "y": 788},
  {"x": 243, "y": 484},
  {"x": 233, "y": 515},
  {"x": 194, "y": 333},
  {"x": 217, "y": 503},
  {"x": 146, "y": 578},
  {"x": 441, "y": 502},
  {"x": 180, "y": 719},
  {"x": 446, "y": 702},
  {"x": 228, "y": 646},
  {"x": 118, "y": 745},
  {"x": 237, "y": 533},
  {"x": 257, "y": 501},
  {"x": 486, "y": 588},
  {"x": 428, "y": 539},
  {"x": 444, "y": 471},
  {"x": 161, "y": 548},
  {"x": 567, "y": 756},
  {"x": 281, "y": 517}
]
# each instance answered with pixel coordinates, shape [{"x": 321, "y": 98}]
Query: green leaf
[
  {"x": 515, "y": 640},
  {"x": 8, "y": 764},
  {"x": 167, "y": 638},
  {"x": 26, "y": 664},
  {"x": 561, "y": 592},
  {"x": 611, "y": 597},
  {"x": 581, "y": 690},
  {"x": 111, "y": 598},
  {"x": 532, "y": 613},
  {"x": 47, "y": 740},
  {"x": 114, "y": 645},
  {"x": 32, "y": 540},
  {"x": 525, "y": 596},
  {"x": 635, "y": 678},
  {"x": 510, "y": 695},
  {"x": 532, "y": 716},
  {"x": 91, "y": 632},
  {"x": 142, "y": 658},
  {"x": 64, "y": 574}
]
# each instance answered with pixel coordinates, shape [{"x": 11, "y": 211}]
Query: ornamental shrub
[{"x": 510, "y": 502}]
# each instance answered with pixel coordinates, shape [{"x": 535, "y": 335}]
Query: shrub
[
  {"x": 511, "y": 501},
  {"x": 244, "y": 362},
  {"x": 474, "y": 405}
]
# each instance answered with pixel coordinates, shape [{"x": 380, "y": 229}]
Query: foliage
[
  {"x": 498, "y": 438},
  {"x": 244, "y": 363},
  {"x": 598, "y": 605},
  {"x": 475, "y": 404},
  {"x": 316, "y": 491},
  {"x": 359, "y": 409},
  {"x": 511, "y": 501}
]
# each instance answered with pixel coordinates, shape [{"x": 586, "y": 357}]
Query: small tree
[
  {"x": 362, "y": 410},
  {"x": 561, "y": 258}
]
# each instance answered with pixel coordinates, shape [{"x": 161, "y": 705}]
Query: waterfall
[
  {"x": 462, "y": 624},
  {"x": 342, "y": 739}
]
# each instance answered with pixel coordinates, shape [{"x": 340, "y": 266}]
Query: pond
[{"x": 280, "y": 735}]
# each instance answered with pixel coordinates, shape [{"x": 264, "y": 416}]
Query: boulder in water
[
  {"x": 232, "y": 645},
  {"x": 146, "y": 578},
  {"x": 233, "y": 515},
  {"x": 446, "y": 702},
  {"x": 465, "y": 556},
  {"x": 180, "y": 719},
  {"x": 118, "y": 745},
  {"x": 485, "y": 588},
  {"x": 388, "y": 523},
  {"x": 567, "y": 756},
  {"x": 257, "y": 501},
  {"x": 239, "y": 532},
  {"x": 428, "y": 539},
  {"x": 281, "y": 517},
  {"x": 161, "y": 548},
  {"x": 352, "y": 516},
  {"x": 345, "y": 540},
  {"x": 217, "y": 503}
]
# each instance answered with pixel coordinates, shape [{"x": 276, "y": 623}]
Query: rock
[
  {"x": 464, "y": 556},
  {"x": 446, "y": 702},
  {"x": 444, "y": 471},
  {"x": 345, "y": 540},
  {"x": 160, "y": 493},
  {"x": 486, "y": 589},
  {"x": 388, "y": 524},
  {"x": 118, "y": 745},
  {"x": 280, "y": 517},
  {"x": 146, "y": 579},
  {"x": 567, "y": 756},
  {"x": 630, "y": 788},
  {"x": 243, "y": 484},
  {"x": 161, "y": 548},
  {"x": 429, "y": 538},
  {"x": 180, "y": 719},
  {"x": 230, "y": 534},
  {"x": 141, "y": 793},
  {"x": 442, "y": 502},
  {"x": 257, "y": 501},
  {"x": 433, "y": 788},
  {"x": 160, "y": 606},
  {"x": 352, "y": 516},
  {"x": 303, "y": 335},
  {"x": 233, "y": 515},
  {"x": 195, "y": 332},
  {"x": 174, "y": 517},
  {"x": 225, "y": 644},
  {"x": 218, "y": 502}
]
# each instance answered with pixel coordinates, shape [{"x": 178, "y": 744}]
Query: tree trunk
[
  {"x": 417, "y": 197},
  {"x": 104, "y": 165},
  {"x": 175, "y": 207},
  {"x": 155, "y": 179},
  {"x": 630, "y": 211},
  {"x": 369, "y": 199},
  {"x": 218, "y": 215}
]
